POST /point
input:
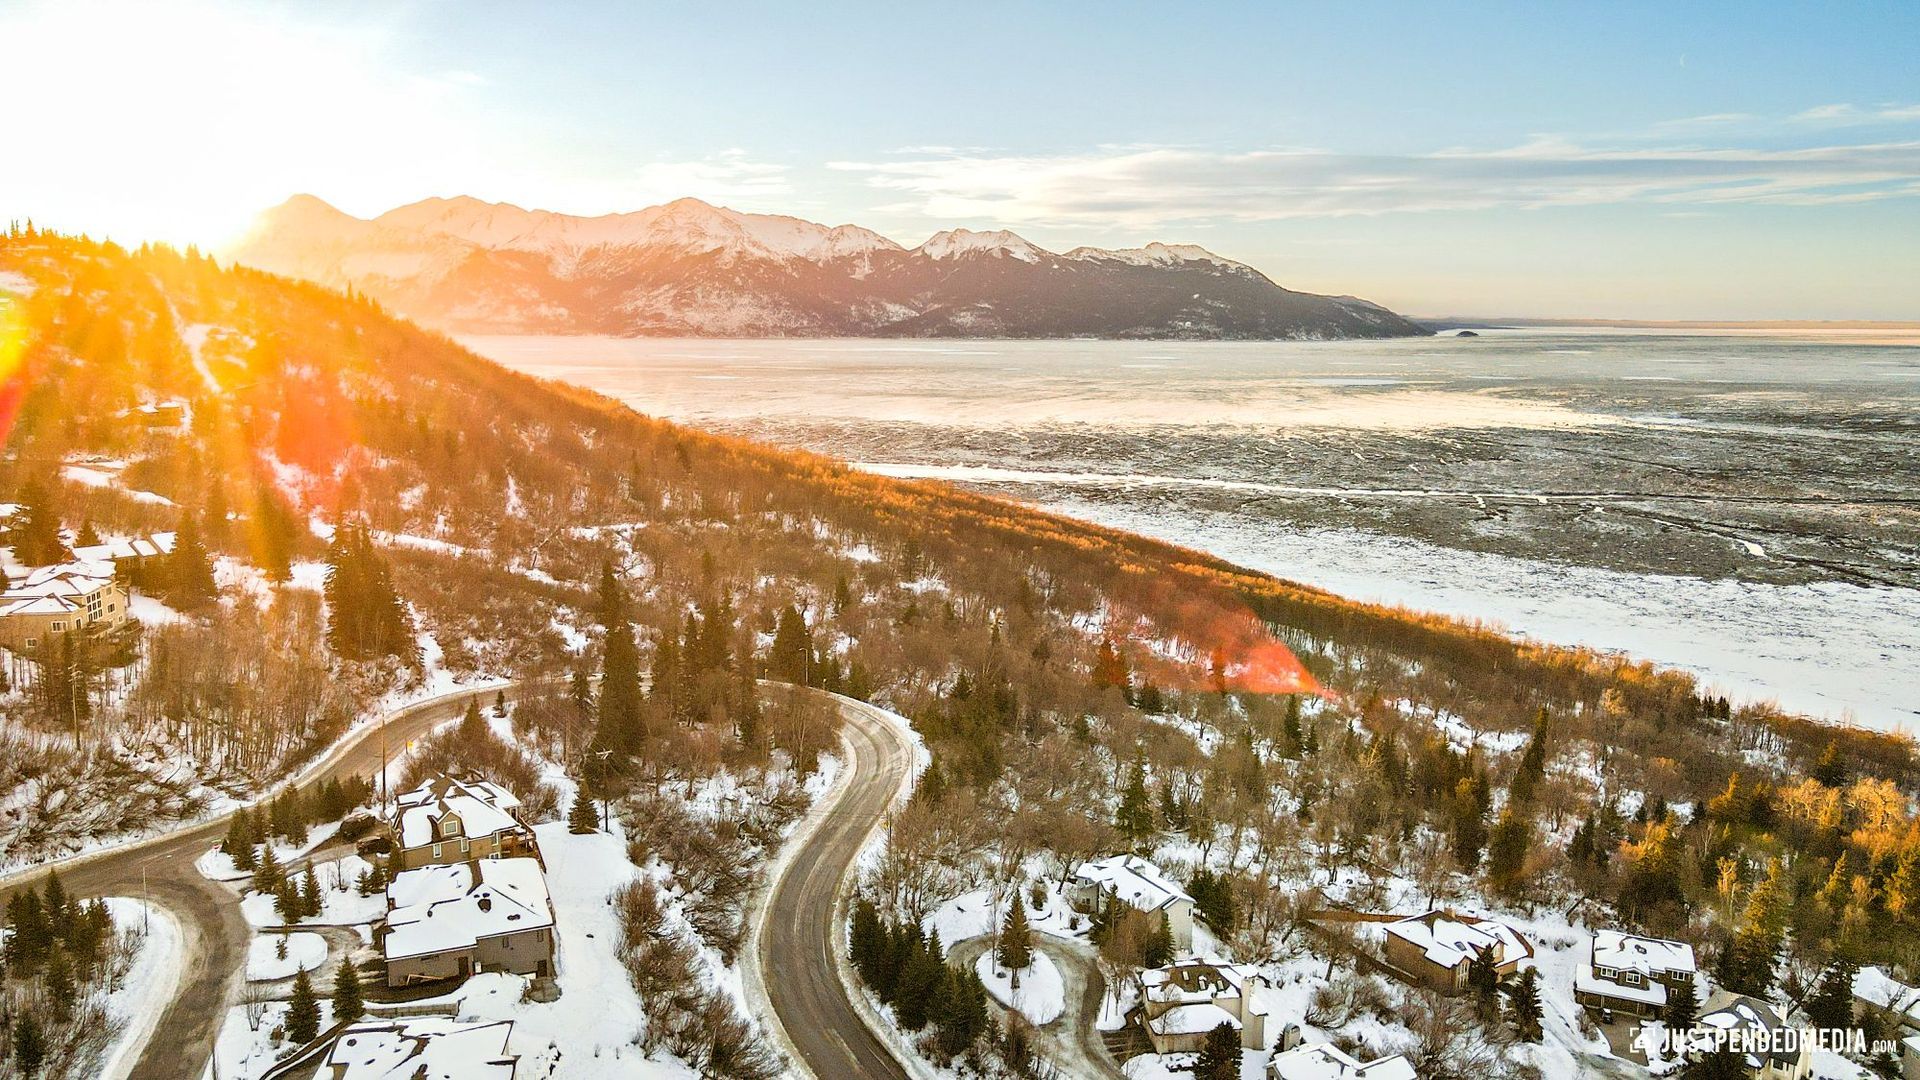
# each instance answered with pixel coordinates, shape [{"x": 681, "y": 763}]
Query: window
[
  {"x": 58, "y": 626},
  {"x": 436, "y": 851},
  {"x": 1632, "y": 979},
  {"x": 1606, "y": 972},
  {"x": 31, "y": 642}
]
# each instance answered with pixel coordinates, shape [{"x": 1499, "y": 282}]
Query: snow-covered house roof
[
  {"x": 1197, "y": 1019},
  {"x": 1196, "y": 979},
  {"x": 1875, "y": 987},
  {"x": 483, "y": 807},
  {"x": 1651, "y": 956},
  {"x": 1325, "y": 1061},
  {"x": 1449, "y": 941},
  {"x": 1737, "y": 1013},
  {"x": 130, "y": 547},
  {"x": 501, "y": 896},
  {"x": 1132, "y": 879},
  {"x": 422, "y": 1048},
  {"x": 55, "y": 590}
]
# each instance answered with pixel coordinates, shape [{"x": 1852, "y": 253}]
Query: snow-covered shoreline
[{"x": 1838, "y": 652}]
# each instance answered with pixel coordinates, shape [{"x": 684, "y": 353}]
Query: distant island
[{"x": 688, "y": 268}]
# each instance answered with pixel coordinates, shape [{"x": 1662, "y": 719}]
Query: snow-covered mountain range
[{"x": 689, "y": 268}]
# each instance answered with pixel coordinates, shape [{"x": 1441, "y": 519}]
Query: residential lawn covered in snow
[
  {"x": 340, "y": 901},
  {"x": 305, "y": 952},
  {"x": 1041, "y": 996},
  {"x": 218, "y": 865},
  {"x": 246, "y": 1049}
]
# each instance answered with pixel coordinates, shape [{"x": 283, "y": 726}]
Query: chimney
[{"x": 486, "y": 903}]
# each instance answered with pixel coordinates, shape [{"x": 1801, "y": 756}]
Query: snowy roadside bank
[{"x": 150, "y": 985}]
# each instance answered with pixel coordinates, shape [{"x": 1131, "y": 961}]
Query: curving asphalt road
[
  {"x": 215, "y": 934},
  {"x": 801, "y": 924}
]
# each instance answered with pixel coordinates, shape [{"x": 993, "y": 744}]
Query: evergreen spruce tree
[
  {"x": 188, "y": 572},
  {"x": 865, "y": 943},
  {"x": 789, "y": 658},
  {"x": 1469, "y": 837},
  {"x": 1682, "y": 1007},
  {"x": 499, "y": 703},
  {"x": 29, "y": 1044},
  {"x": 1134, "y": 818},
  {"x": 747, "y": 712},
  {"x": 583, "y": 817},
  {"x": 366, "y": 619},
  {"x": 1159, "y": 944},
  {"x": 36, "y": 536},
  {"x": 920, "y": 974},
  {"x": 287, "y": 902},
  {"x": 621, "y": 727},
  {"x": 1524, "y": 1010},
  {"x": 473, "y": 727},
  {"x": 86, "y": 537},
  {"x": 303, "y": 1011},
  {"x": 311, "y": 902},
  {"x": 1220, "y": 1055},
  {"x": 1831, "y": 1004},
  {"x": 1507, "y": 851},
  {"x": 610, "y": 599},
  {"x": 1290, "y": 727},
  {"x": 348, "y": 1001},
  {"x": 60, "y": 989},
  {"x": 268, "y": 875},
  {"x": 1720, "y": 1063},
  {"x": 1014, "y": 951}
]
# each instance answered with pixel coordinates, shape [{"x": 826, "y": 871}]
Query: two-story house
[
  {"x": 1182, "y": 1002},
  {"x": 452, "y": 820},
  {"x": 1630, "y": 974},
  {"x": 450, "y": 921},
  {"x": 55, "y": 600},
  {"x": 1138, "y": 883},
  {"x": 1436, "y": 949}
]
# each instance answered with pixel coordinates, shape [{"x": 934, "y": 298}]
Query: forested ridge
[{"x": 377, "y": 507}]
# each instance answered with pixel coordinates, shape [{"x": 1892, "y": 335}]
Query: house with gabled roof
[
  {"x": 1184, "y": 1001},
  {"x": 450, "y": 921},
  {"x": 1630, "y": 974},
  {"x": 1757, "y": 1034},
  {"x": 55, "y": 600},
  {"x": 1437, "y": 948},
  {"x": 451, "y": 820},
  {"x": 1137, "y": 883}
]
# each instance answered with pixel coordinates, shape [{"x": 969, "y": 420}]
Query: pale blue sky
[{"x": 1760, "y": 161}]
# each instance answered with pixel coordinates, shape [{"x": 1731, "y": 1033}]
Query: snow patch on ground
[
  {"x": 1041, "y": 996},
  {"x": 305, "y": 952}
]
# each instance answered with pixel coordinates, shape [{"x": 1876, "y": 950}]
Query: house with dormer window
[
  {"x": 454, "y": 820},
  {"x": 1630, "y": 974},
  {"x": 450, "y": 921}
]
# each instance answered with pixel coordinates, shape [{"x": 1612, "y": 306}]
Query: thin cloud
[
  {"x": 731, "y": 178},
  {"x": 1151, "y": 187},
  {"x": 1845, "y": 114}
]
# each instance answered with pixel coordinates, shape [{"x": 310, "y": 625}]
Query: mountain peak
[
  {"x": 1156, "y": 254},
  {"x": 690, "y": 267},
  {"x": 953, "y": 243}
]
